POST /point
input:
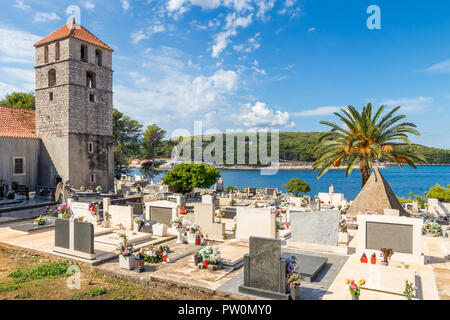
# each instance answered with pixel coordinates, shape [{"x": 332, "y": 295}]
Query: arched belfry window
[
  {"x": 52, "y": 77},
  {"x": 98, "y": 57},
  {"x": 84, "y": 53},
  {"x": 90, "y": 79}
]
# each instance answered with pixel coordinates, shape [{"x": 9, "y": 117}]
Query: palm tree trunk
[{"x": 364, "y": 169}]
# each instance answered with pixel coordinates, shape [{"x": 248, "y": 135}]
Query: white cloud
[
  {"x": 320, "y": 111},
  {"x": 17, "y": 45},
  {"x": 23, "y": 75},
  {"x": 239, "y": 5},
  {"x": 143, "y": 34},
  {"x": 441, "y": 67},
  {"x": 125, "y": 4},
  {"x": 176, "y": 97},
  {"x": 312, "y": 29},
  {"x": 409, "y": 104},
  {"x": 88, "y": 5},
  {"x": 6, "y": 88},
  {"x": 259, "y": 116},
  {"x": 263, "y": 7},
  {"x": 290, "y": 9},
  {"x": 46, "y": 16},
  {"x": 233, "y": 22},
  {"x": 20, "y": 4}
]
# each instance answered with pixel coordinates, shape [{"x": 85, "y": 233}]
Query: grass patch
[
  {"x": 96, "y": 292},
  {"x": 42, "y": 271},
  {"x": 9, "y": 288},
  {"x": 23, "y": 295}
]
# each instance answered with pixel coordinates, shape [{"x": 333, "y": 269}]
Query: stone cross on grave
[{"x": 265, "y": 269}]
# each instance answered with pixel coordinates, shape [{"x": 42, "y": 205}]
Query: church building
[{"x": 69, "y": 135}]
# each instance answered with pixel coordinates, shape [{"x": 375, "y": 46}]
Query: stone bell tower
[{"x": 74, "y": 104}]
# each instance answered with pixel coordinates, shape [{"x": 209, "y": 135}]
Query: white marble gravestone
[{"x": 401, "y": 234}]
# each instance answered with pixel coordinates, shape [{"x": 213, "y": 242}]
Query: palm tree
[{"x": 363, "y": 140}]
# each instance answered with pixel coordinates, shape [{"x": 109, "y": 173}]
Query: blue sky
[{"x": 241, "y": 64}]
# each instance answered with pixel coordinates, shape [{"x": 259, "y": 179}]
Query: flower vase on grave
[
  {"x": 295, "y": 292},
  {"x": 197, "y": 259},
  {"x": 355, "y": 297},
  {"x": 126, "y": 262},
  {"x": 191, "y": 237},
  {"x": 136, "y": 227},
  {"x": 343, "y": 237},
  {"x": 179, "y": 234}
]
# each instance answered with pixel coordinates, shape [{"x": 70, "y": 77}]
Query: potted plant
[
  {"x": 355, "y": 289},
  {"x": 138, "y": 221},
  {"x": 177, "y": 223},
  {"x": 210, "y": 256},
  {"x": 94, "y": 208},
  {"x": 126, "y": 258},
  {"x": 192, "y": 231},
  {"x": 294, "y": 282},
  {"x": 409, "y": 290},
  {"x": 343, "y": 233},
  {"x": 386, "y": 253},
  {"x": 153, "y": 254}
]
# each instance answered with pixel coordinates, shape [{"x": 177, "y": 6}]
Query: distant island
[{"x": 296, "y": 151}]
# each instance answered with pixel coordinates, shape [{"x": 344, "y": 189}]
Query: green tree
[
  {"x": 127, "y": 136},
  {"x": 363, "y": 139},
  {"x": 187, "y": 176},
  {"x": 153, "y": 140},
  {"x": 439, "y": 192},
  {"x": 297, "y": 186},
  {"x": 19, "y": 100},
  {"x": 147, "y": 168}
]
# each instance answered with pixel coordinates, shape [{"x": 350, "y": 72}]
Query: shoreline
[{"x": 296, "y": 167}]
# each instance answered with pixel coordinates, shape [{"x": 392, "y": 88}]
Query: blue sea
[{"x": 402, "y": 180}]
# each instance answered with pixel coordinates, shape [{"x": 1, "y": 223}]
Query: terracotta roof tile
[
  {"x": 76, "y": 31},
  {"x": 17, "y": 123}
]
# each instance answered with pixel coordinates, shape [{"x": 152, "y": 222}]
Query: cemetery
[
  {"x": 284, "y": 247},
  {"x": 250, "y": 243}
]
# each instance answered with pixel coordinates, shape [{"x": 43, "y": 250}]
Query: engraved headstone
[{"x": 265, "y": 269}]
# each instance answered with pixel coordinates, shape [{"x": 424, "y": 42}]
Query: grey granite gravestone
[
  {"x": 229, "y": 212},
  {"x": 161, "y": 215},
  {"x": 62, "y": 233},
  {"x": 318, "y": 227},
  {"x": 137, "y": 207},
  {"x": 265, "y": 269},
  {"x": 271, "y": 192},
  {"x": 84, "y": 237},
  {"x": 74, "y": 238}
]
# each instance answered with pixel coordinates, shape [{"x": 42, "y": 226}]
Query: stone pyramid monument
[{"x": 376, "y": 195}]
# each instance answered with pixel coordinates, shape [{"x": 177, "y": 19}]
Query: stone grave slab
[
  {"x": 308, "y": 266},
  {"x": 114, "y": 238},
  {"x": 33, "y": 227}
]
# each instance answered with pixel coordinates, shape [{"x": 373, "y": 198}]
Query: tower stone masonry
[{"x": 74, "y": 104}]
